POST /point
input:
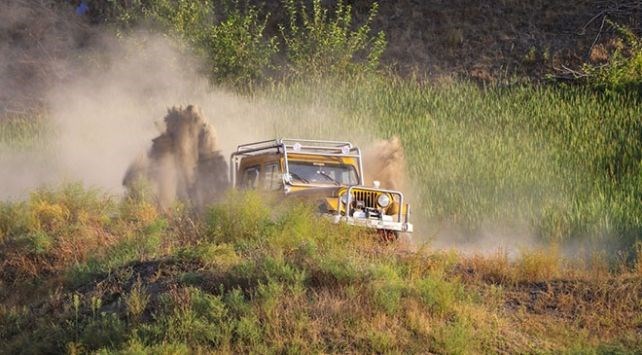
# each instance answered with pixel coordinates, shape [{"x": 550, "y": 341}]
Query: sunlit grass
[
  {"x": 111, "y": 280},
  {"x": 562, "y": 161}
]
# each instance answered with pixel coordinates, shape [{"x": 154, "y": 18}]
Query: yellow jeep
[{"x": 329, "y": 172}]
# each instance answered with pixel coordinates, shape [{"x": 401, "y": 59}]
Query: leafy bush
[
  {"x": 319, "y": 44},
  {"x": 233, "y": 42},
  {"x": 439, "y": 295},
  {"x": 387, "y": 288},
  {"x": 455, "y": 337},
  {"x": 623, "y": 70},
  {"x": 243, "y": 219},
  {"x": 232, "y": 38}
]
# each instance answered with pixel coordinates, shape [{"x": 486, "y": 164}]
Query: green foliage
[
  {"x": 242, "y": 220},
  {"x": 319, "y": 44},
  {"x": 623, "y": 70},
  {"x": 387, "y": 288},
  {"x": 24, "y": 131},
  {"x": 196, "y": 318},
  {"x": 233, "y": 43},
  {"x": 563, "y": 162},
  {"x": 231, "y": 37},
  {"x": 456, "y": 337},
  {"x": 338, "y": 268},
  {"x": 137, "y": 300},
  {"x": 437, "y": 294},
  {"x": 105, "y": 330},
  {"x": 222, "y": 256},
  {"x": 248, "y": 330},
  {"x": 304, "y": 286},
  {"x": 237, "y": 49}
]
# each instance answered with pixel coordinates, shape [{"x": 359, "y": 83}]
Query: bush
[
  {"x": 242, "y": 219},
  {"x": 233, "y": 43},
  {"x": 318, "y": 44},
  {"x": 232, "y": 38},
  {"x": 386, "y": 288},
  {"x": 439, "y": 295},
  {"x": 54, "y": 229},
  {"x": 455, "y": 337},
  {"x": 623, "y": 70}
]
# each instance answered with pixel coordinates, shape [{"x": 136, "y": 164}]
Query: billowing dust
[
  {"x": 384, "y": 161},
  {"x": 102, "y": 94},
  {"x": 184, "y": 162}
]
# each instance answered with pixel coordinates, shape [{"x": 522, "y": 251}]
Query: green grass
[
  {"x": 562, "y": 162},
  {"x": 83, "y": 272},
  {"x": 24, "y": 130},
  {"x": 298, "y": 284}
]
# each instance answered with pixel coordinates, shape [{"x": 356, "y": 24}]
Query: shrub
[
  {"x": 538, "y": 265},
  {"x": 248, "y": 331},
  {"x": 455, "y": 337},
  {"x": 623, "y": 70},
  {"x": 317, "y": 43},
  {"x": 270, "y": 295},
  {"x": 106, "y": 330},
  {"x": 54, "y": 229},
  {"x": 242, "y": 219},
  {"x": 437, "y": 294},
  {"x": 387, "y": 288},
  {"x": 233, "y": 42},
  {"x": 136, "y": 301},
  {"x": 196, "y": 318},
  {"x": 221, "y": 256}
]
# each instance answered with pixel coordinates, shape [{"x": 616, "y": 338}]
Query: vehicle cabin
[
  {"x": 329, "y": 172},
  {"x": 291, "y": 166}
]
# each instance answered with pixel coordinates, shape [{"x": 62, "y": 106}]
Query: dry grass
[{"x": 288, "y": 282}]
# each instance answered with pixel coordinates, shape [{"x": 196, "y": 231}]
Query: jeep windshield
[{"x": 322, "y": 173}]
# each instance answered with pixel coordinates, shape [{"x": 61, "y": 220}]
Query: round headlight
[
  {"x": 344, "y": 198},
  {"x": 383, "y": 200}
]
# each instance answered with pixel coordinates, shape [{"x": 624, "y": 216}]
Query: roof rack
[
  {"x": 299, "y": 145},
  {"x": 296, "y": 146}
]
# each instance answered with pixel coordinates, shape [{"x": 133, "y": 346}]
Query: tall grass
[
  {"x": 24, "y": 130},
  {"x": 560, "y": 162},
  {"x": 281, "y": 281},
  {"x": 563, "y": 161}
]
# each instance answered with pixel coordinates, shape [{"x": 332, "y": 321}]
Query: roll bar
[{"x": 299, "y": 146}]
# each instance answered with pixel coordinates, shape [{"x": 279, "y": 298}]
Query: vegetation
[
  {"x": 231, "y": 36},
  {"x": 622, "y": 68},
  {"x": 82, "y": 271},
  {"x": 563, "y": 160}
]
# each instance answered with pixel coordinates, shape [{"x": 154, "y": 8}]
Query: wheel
[{"x": 388, "y": 236}]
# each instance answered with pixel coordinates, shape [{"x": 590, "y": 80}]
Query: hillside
[
  {"x": 485, "y": 41},
  {"x": 93, "y": 274},
  {"x": 517, "y": 141},
  {"x": 493, "y": 40}
]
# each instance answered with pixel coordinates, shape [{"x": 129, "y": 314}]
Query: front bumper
[{"x": 374, "y": 223}]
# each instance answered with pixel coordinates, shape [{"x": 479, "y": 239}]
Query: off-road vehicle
[{"x": 327, "y": 172}]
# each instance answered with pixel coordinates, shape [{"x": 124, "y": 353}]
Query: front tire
[{"x": 388, "y": 236}]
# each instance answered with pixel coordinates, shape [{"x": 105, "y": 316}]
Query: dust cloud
[
  {"x": 36, "y": 42},
  {"x": 184, "y": 162},
  {"x": 384, "y": 161},
  {"x": 103, "y": 99}
]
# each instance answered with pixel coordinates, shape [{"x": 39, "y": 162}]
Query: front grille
[{"x": 369, "y": 198}]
